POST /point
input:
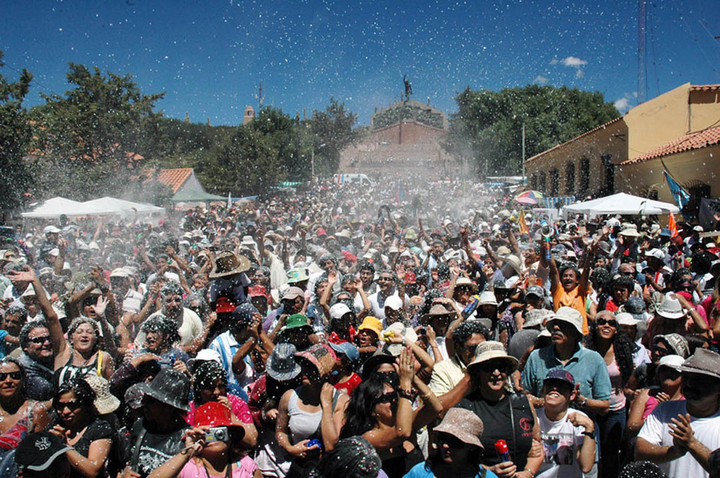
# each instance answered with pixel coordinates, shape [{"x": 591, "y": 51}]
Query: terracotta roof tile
[
  {"x": 697, "y": 140},
  {"x": 602, "y": 126},
  {"x": 174, "y": 177},
  {"x": 704, "y": 87}
]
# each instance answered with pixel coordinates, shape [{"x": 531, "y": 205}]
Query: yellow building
[{"x": 678, "y": 131}]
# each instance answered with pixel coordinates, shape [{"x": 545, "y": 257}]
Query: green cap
[{"x": 295, "y": 321}]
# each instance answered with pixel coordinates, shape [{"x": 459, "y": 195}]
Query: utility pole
[{"x": 523, "y": 153}]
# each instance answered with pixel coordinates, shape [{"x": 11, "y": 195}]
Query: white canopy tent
[
  {"x": 54, "y": 208},
  {"x": 106, "y": 206},
  {"x": 621, "y": 203}
]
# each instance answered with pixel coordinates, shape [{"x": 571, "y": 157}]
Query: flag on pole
[
  {"x": 672, "y": 226},
  {"x": 523, "y": 225},
  {"x": 679, "y": 194}
]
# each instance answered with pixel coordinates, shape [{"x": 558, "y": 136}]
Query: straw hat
[
  {"x": 490, "y": 350},
  {"x": 105, "y": 402},
  {"x": 464, "y": 425},
  {"x": 227, "y": 264}
]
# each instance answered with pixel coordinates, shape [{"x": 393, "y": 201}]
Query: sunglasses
[
  {"x": 390, "y": 397},
  {"x": 13, "y": 375},
  {"x": 604, "y": 321},
  {"x": 660, "y": 351},
  {"x": 385, "y": 279},
  {"x": 491, "y": 365},
  {"x": 72, "y": 405},
  {"x": 39, "y": 340},
  {"x": 451, "y": 441}
]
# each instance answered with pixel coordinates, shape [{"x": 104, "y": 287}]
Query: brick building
[
  {"x": 403, "y": 138},
  {"x": 677, "y": 132}
]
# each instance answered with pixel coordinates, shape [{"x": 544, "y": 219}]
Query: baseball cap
[{"x": 560, "y": 374}]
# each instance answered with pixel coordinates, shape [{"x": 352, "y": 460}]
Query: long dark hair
[
  {"x": 359, "y": 417},
  {"x": 84, "y": 394},
  {"x": 622, "y": 345}
]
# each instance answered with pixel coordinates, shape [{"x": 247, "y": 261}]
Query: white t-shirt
[
  {"x": 190, "y": 329},
  {"x": 561, "y": 442},
  {"x": 656, "y": 430}
]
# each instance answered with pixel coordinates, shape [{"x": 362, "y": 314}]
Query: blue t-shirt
[
  {"x": 3, "y": 350},
  {"x": 586, "y": 366},
  {"x": 419, "y": 471}
]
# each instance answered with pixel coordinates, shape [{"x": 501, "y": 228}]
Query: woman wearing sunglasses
[
  {"x": 487, "y": 391},
  {"x": 616, "y": 348},
  {"x": 456, "y": 449},
  {"x": 18, "y": 414},
  {"x": 80, "y": 427},
  {"x": 380, "y": 410}
]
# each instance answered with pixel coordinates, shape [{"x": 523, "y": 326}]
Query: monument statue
[{"x": 408, "y": 87}]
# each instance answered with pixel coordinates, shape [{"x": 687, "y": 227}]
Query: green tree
[
  {"x": 15, "y": 136},
  {"x": 247, "y": 164},
  {"x": 333, "y": 131},
  {"x": 285, "y": 136},
  {"x": 94, "y": 137},
  {"x": 486, "y": 130}
]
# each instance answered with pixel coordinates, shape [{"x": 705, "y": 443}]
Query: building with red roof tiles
[
  {"x": 677, "y": 132},
  {"x": 178, "y": 179}
]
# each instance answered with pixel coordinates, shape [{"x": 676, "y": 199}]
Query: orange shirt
[{"x": 571, "y": 299}]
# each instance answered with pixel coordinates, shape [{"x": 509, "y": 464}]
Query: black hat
[
  {"x": 371, "y": 364},
  {"x": 169, "y": 387},
  {"x": 39, "y": 450}
]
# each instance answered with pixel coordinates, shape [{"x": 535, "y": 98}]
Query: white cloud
[
  {"x": 541, "y": 80},
  {"x": 623, "y": 104},
  {"x": 573, "y": 62},
  {"x": 579, "y": 74},
  {"x": 554, "y": 61}
]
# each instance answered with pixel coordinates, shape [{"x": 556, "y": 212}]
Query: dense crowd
[{"x": 399, "y": 330}]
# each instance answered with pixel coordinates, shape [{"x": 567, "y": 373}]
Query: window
[
  {"x": 554, "y": 182},
  {"x": 570, "y": 179},
  {"x": 543, "y": 183},
  {"x": 584, "y": 175}
]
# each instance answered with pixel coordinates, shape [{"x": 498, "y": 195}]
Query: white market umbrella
[{"x": 108, "y": 206}]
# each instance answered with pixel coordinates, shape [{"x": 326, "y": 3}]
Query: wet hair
[
  {"x": 347, "y": 279},
  {"x": 204, "y": 308},
  {"x": 641, "y": 469},
  {"x": 677, "y": 277},
  {"x": 322, "y": 280},
  {"x": 624, "y": 282},
  {"x": 352, "y": 457},
  {"x": 443, "y": 270},
  {"x": 24, "y": 335},
  {"x": 77, "y": 322},
  {"x": 359, "y": 414},
  {"x": 171, "y": 288},
  {"x": 569, "y": 266},
  {"x": 17, "y": 310},
  {"x": 367, "y": 266},
  {"x": 163, "y": 325},
  {"x": 701, "y": 263},
  {"x": 84, "y": 393},
  {"x": 600, "y": 278},
  {"x": 466, "y": 330},
  {"x": 391, "y": 273},
  {"x": 205, "y": 376}
]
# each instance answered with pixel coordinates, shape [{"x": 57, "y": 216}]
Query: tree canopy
[
  {"x": 15, "y": 136},
  {"x": 486, "y": 130}
]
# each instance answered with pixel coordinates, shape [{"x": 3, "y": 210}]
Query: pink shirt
[{"x": 195, "y": 469}]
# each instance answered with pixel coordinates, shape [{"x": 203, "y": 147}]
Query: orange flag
[
  {"x": 523, "y": 225},
  {"x": 672, "y": 226}
]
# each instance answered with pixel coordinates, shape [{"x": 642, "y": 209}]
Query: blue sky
[{"x": 209, "y": 56}]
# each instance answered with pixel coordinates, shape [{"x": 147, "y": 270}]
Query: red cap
[
  {"x": 213, "y": 414},
  {"x": 224, "y": 305}
]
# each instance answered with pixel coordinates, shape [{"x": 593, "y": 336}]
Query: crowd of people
[{"x": 414, "y": 330}]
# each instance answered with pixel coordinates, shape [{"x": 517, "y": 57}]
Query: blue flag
[{"x": 681, "y": 196}]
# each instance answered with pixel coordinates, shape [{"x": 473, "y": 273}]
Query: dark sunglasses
[
  {"x": 13, "y": 375},
  {"x": 451, "y": 441},
  {"x": 390, "y": 397},
  {"x": 604, "y": 321},
  {"x": 384, "y": 279},
  {"x": 72, "y": 405},
  {"x": 39, "y": 340},
  {"x": 491, "y": 365},
  {"x": 660, "y": 351}
]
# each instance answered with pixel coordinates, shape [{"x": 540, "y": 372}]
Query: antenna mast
[{"x": 642, "y": 34}]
